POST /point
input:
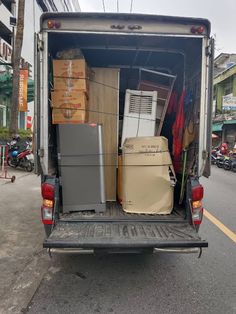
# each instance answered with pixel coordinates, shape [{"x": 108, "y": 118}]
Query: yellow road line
[{"x": 221, "y": 226}]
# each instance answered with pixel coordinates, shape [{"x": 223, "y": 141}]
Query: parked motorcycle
[
  {"x": 233, "y": 165},
  {"x": 227, "y": 163},
  {"x": 230, "y": 162},
  {"x": 220, "y": 161},
  {"x": 214, "y": 154},
  {"x": 22, "y": 158},
  {"x": 213, "y": 159}
]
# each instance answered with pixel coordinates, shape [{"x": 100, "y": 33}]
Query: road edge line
[{"x": 230, "y": 234}]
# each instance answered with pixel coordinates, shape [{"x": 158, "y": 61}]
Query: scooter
[
  {"x": 23, "y": 159},
  {"x": 214, "y": 154},
  {"x": 213, "y": 159},
  {"x": 233, "y": 165},
  {"x": 220, "y": 160},
  {"x": 227, "y": 163}
]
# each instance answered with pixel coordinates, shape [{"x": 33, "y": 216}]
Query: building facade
[
  {"x": 224, "y": 103},
  {"x": 33, "y": 10},
  {"x": 225, "y": 83},
  {"x": 6, "y": 13},
  {"x": 59, "y": 5}
]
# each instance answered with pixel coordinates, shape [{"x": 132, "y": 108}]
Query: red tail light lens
[
  {"x": 197, "y": 30},
  {"x": 200, "y": 30},
  {"x": 197, "y": 193},
  {"x": 57, "y": 24},
  {"x": 54, "y": 24},
  {"x": 48, "y": 191}
]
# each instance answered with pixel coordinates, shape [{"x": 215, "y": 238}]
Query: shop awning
[
  {"x": 233, "y": 121},
  {"x": 217, "y": 127}
]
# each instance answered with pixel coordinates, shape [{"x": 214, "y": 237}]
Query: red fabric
[
  {"x": 224, "y": 149},
  {"x": 177, "y": 132},
  {"x": 172, "y": 106}
]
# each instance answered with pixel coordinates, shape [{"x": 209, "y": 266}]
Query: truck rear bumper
[{"x": 123, "y": 235}]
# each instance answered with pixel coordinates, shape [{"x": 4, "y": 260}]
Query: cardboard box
[
  {"x": 146, "y": 184},
  {"x": 69, "y": 107},
  {"x": 73, "y": 99},
  {"x": 68, "y": 116},
  {"x": 70, "y": 75}
]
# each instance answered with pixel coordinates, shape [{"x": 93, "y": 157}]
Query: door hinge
[
  {"x": 209, "y": 51},
  {"x": 41, "y": 152},
  {"x": 204, "y": 154},
  {"x": 40, "y": 45}
]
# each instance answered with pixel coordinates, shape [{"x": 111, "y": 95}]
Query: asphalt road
[{"x": 161, "y": 283}]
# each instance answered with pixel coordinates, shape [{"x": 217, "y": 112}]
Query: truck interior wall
[{"x": 172, "y": 55}]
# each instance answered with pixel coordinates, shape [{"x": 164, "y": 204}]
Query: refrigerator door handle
[{"x": 101, "y": 161}]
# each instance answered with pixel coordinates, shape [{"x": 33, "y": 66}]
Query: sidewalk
[{"x": 21, "y": 231}]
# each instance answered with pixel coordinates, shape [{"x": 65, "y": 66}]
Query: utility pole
[{"x": 16, "y": 67}]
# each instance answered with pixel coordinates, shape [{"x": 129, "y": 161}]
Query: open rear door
[
  {"x": 207, "y": 169},
  {"x": 123, "y": 234}
]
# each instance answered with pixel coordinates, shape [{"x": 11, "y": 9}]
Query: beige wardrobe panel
[{"x": 104, "y": 109}]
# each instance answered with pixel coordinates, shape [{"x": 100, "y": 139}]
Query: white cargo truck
[{"x": 118, "y": 49}]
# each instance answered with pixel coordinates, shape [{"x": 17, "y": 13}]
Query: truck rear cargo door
[
  {"x": 121, "y": 234},
  {"x": 210, "y": 52}
]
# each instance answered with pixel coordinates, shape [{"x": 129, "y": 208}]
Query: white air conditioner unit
[{"x": 139, "y": 114}]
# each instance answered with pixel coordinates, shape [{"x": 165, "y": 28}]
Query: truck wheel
[{"x": 48, "y": 230}]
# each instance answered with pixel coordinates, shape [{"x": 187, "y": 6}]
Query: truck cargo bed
[
  {"x": 114, "y": 212},
  {"x": 116, "y": 229}
]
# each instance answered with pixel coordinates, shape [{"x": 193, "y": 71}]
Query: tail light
[
  {"x": 197, "y": 30},
  {"x": 197, "y": 208},
  {"x": 54, "y": 24},
  {"x": 48, "y": 194},
  {"x": 51, "y": 24},
  {"x": 48, "y": 191},
  {"x": 47, "y": 215},
  {"x": 197, "y": 192}
]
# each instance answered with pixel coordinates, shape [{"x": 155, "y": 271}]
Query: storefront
[
  {"x": 229, "y": 132},
  {"x": 6, "y": 96},
  {"x": 226, "y": 132}
]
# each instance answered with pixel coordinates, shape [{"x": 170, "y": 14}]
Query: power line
[
  {"x": 131, "y": 5},
  {"x": 103, "y": 4}
]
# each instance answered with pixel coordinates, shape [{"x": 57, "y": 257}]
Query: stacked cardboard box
[
  {"x": 69, "y": 107},
  {"x": 70, "y": 95}
]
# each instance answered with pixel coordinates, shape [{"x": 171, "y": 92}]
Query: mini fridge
[{"x": 81, "y": 167}]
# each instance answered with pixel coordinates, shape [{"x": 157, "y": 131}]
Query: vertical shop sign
[{"x": 23, "y": 90}]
